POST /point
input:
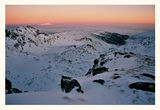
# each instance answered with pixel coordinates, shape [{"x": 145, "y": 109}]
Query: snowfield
[{"x": 107, "y": 70}]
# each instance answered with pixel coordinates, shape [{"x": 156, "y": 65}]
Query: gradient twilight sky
[{"x": 59, "y": 14}]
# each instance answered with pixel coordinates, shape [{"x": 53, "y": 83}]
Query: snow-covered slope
[
  {"x": 35, "y": 62},
  {"x": 145, "y": 43}
]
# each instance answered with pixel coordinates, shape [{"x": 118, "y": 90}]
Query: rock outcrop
[
  {"x": 145, "y": 86},
  {"x": 9, "y": 89},
  {"x": 100, "y": 81},
  {"x": 67, "y": 84}
]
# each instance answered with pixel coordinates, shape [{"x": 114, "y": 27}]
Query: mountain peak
[{"x": 26, "y": 29}]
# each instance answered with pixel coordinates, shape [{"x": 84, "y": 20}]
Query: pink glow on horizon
[{"x": 59, "y": 14}]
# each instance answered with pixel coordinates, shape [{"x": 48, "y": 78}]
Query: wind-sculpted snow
[{"x": 36, "y": 61}]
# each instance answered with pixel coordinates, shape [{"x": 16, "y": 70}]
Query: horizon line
[{"x": 86, "y": 24}]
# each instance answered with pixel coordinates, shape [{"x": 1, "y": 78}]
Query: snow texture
[{"x": 35, "y": 62}]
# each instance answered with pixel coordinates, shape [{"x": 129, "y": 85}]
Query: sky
[{"x": 59, "y": 14}]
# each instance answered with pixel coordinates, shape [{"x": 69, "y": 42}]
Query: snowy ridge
[
  {"x": 145, "y": 43},
  {"x": 35, "y": 62}
]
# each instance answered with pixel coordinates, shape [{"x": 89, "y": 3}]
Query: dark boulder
[
  {"x": 115, "y": 76},
  {"x": 127, "y": 56},
  {"x": 99, "y": 70},
  {"x": 115, "y": 54},
  {"x": 101, "y": 81},
  {"x": 102, "y": 63},
  {"x": 8, "y": 86},
  {"x": 148, "y": 59},
  {"x": 9, "y": 89},
  {"x": 131, "y": 53},
  {"x": 8, "y": 33},
  {"x": 145, "y": 86},
  {"x": 96, "y": 61},
  {"x": 148, "y": 75},
  {"x": 67, "y": 84},
  {"x": 120, "y": 53},
  {"x": 102, "y": 55}
]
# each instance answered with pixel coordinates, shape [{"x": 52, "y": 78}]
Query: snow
[{"x": 38, "y": 69}]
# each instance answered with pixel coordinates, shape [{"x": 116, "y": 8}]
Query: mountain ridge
[{"x": 38, "y": 64}]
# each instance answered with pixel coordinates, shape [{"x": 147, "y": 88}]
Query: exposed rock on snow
[
  {"x": 9, "y": 89},
  {"x": 35, "y": 62},
  {"x": 8, "y": 86},
  {"x": 101, "y": 81},
  {"x": 115, "y": 76},
  {"x": 145, "y": 86},
  {"x": 148, "y": 75},
  {"x": 67, "y": 84},
  {"x": 99, "y": 70}
]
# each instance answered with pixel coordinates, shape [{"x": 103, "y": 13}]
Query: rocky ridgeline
[
  {"x": 28, "y": 36},
  {"x": 67, "y": 83}
]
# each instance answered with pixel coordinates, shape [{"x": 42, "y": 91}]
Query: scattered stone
[
  {"x": 147, "y": 59},
  {"x": 102, "y": 55},
  {"x": 101, "y": 81},
  {"x": 115, "y": 76},
  {"x": 145, "y": 86},
  {"x": 115, "y": 54},
  {"x": 102, "y": 63},
  {"x": 127, "y": 56},
  {"x": 96, "y": 61},
  {"x": 120, "y": 53},
  {"x": 99, "y": 70},
  {"x": 132, "y": 53},
  {"x": 148, "y": 75}
]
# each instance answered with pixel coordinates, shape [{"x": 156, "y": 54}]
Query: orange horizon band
[{"x": 49, "y": 15}]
